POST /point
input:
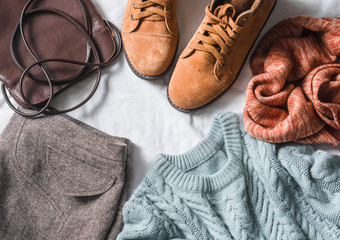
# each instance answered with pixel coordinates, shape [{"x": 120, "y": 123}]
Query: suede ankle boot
[
  {"x": 212, "y": 60},
  {"x": 150, "y": 36}
]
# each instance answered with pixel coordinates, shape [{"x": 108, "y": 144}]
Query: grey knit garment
[
  {"x": 61, "y": 179},
  {"x": 233, "y": 186}
]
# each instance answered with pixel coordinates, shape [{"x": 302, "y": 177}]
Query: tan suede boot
[
  {"x": 214, "y": 57},
  {"x": 150, "y": 36}
]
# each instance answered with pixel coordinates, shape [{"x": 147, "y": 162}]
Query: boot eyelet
[{"x": 245, "y": 19}]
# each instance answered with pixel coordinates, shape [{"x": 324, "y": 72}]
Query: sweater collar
[{"x": 224, "y": 133}]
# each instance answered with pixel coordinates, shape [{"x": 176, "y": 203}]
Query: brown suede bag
[{"x": 47, "y": 46}]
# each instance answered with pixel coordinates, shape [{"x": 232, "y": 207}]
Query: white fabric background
[{"x": 127, "y": 106}]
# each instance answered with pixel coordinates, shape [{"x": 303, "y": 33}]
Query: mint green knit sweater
[{"x": 233, "y": 186}]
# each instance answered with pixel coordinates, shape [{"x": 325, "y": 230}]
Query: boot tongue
[{"x": 239, "y": 5}]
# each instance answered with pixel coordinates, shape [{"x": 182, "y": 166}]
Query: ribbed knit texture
[
  {"x": 287, "y": 100},
  {"x": 233, "y": 186}
]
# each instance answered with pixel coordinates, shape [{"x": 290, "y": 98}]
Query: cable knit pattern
[
  {"x": 234, "y": 186},
  {"x": 287, "y": 100}
]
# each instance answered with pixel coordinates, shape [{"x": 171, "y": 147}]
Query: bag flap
[{"x": 49, "y": 36}]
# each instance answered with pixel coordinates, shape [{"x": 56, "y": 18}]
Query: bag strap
[{"x": 47, "y": 109}]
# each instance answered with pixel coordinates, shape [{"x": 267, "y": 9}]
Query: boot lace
[
  {"x": 219, "y": 33},
  {"x": 152, "y": 10}
]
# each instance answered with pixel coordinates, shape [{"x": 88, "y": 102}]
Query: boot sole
[{"x": 215, "y": 99}]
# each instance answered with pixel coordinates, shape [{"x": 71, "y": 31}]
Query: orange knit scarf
[{"x": 295, "y": 94}]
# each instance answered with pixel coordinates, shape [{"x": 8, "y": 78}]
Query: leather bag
[{"x": 47, "y": 46}]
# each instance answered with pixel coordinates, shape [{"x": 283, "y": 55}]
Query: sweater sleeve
[
  {"x": 314, "y": 171},
  {"x": 143, "y": 221}
]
